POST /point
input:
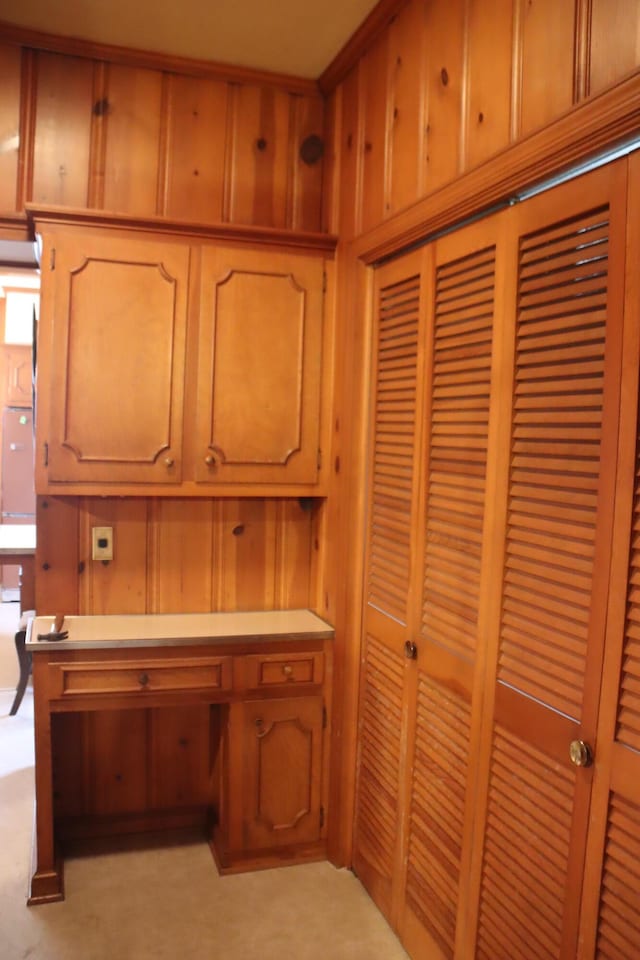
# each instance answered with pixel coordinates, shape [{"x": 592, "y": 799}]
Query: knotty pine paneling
[
  {"x": 444, "y": 78},
  {"x": 407, "y": 132},
  {"x": 376, "y": 104},
  {"x": 306, "y": 204},
  {"x": 10, "y": 77},
  {"x": 62, "y": 135},
  {"x": 546, "y": 33},
  {"x": 350, "y": 155},
  {"x": 489, "y": 88},
  {"x": 615, "y": 41},
  {"x": 175, "y": 556},
  {"x": 196, "y": 146},
  {"x": 258, "y": 181},
  {"x": 133, "y": 125}
]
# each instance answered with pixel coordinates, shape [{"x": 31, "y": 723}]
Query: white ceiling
[{"x": 295, "y": 37}]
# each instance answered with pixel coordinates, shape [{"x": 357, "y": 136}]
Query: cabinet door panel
[
  {"x": 118, "y": 360},
  {"x": 259, "y": 367},
  {"x": 283, "y": 771},
  {"x": 18, "y": 376}
]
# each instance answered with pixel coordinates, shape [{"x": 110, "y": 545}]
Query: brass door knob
[
  {"x": 209, "y": 460},
  {"x": 168, "y": 461},
  {"x": 580, "y": 753}
]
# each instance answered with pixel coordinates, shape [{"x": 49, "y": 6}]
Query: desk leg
[{"x": 47, "y": 880}]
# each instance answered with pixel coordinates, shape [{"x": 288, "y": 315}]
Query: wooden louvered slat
[
  {"x": 555, "y": 463},
  {"x": 619, "y": 915},
  {"x": 379, "y": 758},
  {"x": 437, "y": 810},
  {"x": 526, "y": 853},
  {"x": 628, "y": 719},
  {"x": 463, "y": 329},
  {"x": 393, "y": 431}
]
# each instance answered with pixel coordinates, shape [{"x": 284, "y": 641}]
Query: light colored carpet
[{"x": 170, "y": 902}]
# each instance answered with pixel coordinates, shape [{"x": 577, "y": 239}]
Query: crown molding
[{"x": 377, "y": 21}]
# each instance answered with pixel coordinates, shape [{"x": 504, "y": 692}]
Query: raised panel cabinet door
[
  {"x": 19, "y": 374},
  {"x": 283, "y": 744},
  {"x": 115, "y": 381},
  {"x": 259, "y": 367}
]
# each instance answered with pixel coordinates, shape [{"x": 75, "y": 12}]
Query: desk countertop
[
  {"x": 177, "y": 629},
  {"x": 17, "y": 538}
]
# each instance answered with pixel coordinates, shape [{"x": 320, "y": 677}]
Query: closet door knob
[
  {"x": 410, "y": 650},
  {"x": 580, "y": 753}
]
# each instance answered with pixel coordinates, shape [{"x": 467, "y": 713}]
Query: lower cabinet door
[{"x": 283, "y": 757}]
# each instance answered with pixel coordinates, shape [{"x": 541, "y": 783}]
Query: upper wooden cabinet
[
  {"x": 167, "y": 365},
  {"x": 117, "y": 346},
  {"x": 259, "y": 366}
]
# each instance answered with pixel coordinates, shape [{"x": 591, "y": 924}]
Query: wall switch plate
[{"x": 102, "y": 543}]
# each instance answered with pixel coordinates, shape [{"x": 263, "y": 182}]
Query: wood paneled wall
[
  {"x": 81, "y": 132},
  {"x": 449, "y": 84},
  {"x": 178, "y": 555}
]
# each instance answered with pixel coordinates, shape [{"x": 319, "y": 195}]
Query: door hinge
[
  {"x": 46, "y": 454},
  {"x": 324, "y": 717},
  {"x": 319, "y": 458},
  {"x": 52, "y": 258},
  {"x": 324, "y": 281},
  {"x": 321, "y": 817}
]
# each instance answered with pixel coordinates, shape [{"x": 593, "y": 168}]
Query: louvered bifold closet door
[
  {"x": 390, "y": 564},
  {"x": 550, "y": 637},
  {"x": 462, "y": 324},
  {"x": 610, "y": 921}
]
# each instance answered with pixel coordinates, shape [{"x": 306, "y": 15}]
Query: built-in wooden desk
[
  {"x": 261, "y": 681},
  {"x": 18, "y": 545}
]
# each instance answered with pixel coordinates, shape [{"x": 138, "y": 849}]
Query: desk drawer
[
  {"x": 153, "y": 676},
  {"x": 264, "y": 671}
]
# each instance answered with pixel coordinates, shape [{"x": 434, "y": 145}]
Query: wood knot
[
  {"x": 238, "y": 530},
  {"x": 101, "y": 107},
  {"x": 311, "y": 149},
  {"x": 444, "y": 76},
  {"x": 261, "y": 144}
]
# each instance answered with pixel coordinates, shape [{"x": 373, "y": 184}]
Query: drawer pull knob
[
  {"x": 287, "y": 670},
  {"x": 143, "y": 679}
]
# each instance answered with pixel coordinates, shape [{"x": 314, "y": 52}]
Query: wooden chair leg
[{"x": 24, "y": 660}]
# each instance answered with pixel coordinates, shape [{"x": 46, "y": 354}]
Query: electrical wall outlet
[{"x": 102, "y": 543}]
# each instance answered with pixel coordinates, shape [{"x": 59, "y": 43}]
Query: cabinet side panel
[{"x": 57, "y": 555}]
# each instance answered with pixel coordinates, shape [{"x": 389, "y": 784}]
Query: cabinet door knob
[
  {"x": 580, "y": 753},
  {"x": 209, "y": 460},
  {"x": 143, "y": 679},
  {"x": 169, "y": 461}
]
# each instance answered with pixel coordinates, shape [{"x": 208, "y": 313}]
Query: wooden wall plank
[
  {"x": 10, "y": 81},
  {"x": 180, "y": 556},
  {"x": 118, "y": 586},
  {"x": 246, "y": 580},
  {"x": 615, "y": 41},
  {"x": 488, "y": 115},
  {"x": 307, "y": 177},
  {"x": 260, "y": 148},
  {"x": 197, "y": 133},
  {"x": 407, "y": 133},
  {"x": 294, "y": 542},
  {"x": 444, "y": 78},
  {"x": 134, "y": 99},
  {"x": 351, "y": 157},
  {"x": 57, "y": 555},
  {"x": 62, "y": 138},
  {"x": 376, "y": 107},
  {"x": 547, "y": 32}
]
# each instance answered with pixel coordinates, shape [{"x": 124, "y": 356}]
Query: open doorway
[{"x": 19, "y": 306}]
